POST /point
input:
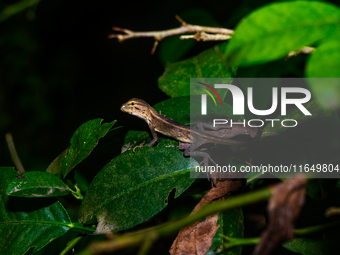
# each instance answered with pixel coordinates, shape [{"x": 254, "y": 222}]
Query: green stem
[
  {"x": 140, "y": 237},
  {"x": 77, "y": 194},
  {"x": 170, "y": 228},
  {"x": 78, "y": 226},
  {"x": 146, "y": 245},
  {"x": 254, "y": 178},
  {"x": 233, "y": 242},
  {"x": 314, "y": 229},
  {"x": 232, "y": 203},
  {"x": 70, "y": 245}
]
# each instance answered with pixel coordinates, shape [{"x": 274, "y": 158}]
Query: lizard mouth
[{"x": 125, "y": 109}]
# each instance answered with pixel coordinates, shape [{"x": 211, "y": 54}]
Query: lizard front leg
[
  {"x": 206, "y": 157},
  {"x": 154, "y": 136},
  {"x": 153, "y": 141}
]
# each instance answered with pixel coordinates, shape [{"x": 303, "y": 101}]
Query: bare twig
[
  {"x": 304, "y": 50},
  {"x": 14, "y": 154},
  {"x": 203, "y": 36},
  {"x": 332, "y": 211},
  {"x": 203, "y": 33},
  {"x": 159, "y": 35}
]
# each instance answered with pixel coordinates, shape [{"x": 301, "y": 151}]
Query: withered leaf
[
  {"x": 197, "y": 238},
  {"x": 283, "y": 209}
]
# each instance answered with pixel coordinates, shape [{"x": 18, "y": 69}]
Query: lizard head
[{"x": 137, "y": 107}]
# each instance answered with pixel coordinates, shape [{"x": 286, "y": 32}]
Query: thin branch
[
  {"x": 332, "y": 211},
  {"x": 203, "y": 36},
  {"x": 154, "y": 47},
  {"x": 159, "y": 35},
  {"x": 304, "y": 50},
  {"x": 14, "y": 154},
  {"x": 315, "y": 229},
  {"x": 202, "y": 33}
]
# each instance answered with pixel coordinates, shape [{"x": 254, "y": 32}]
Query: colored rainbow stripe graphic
[{"x": 213, "y": 90}]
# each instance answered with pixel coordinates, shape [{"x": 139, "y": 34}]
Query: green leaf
[
  {"x": 171, "y": 49},
  {"x": 56, "y": 166},
  {"x": 13, "y": 9},
  {"x": 326, "y": 92},
  {"x": 81, "y": 181},
  {"x": 271, "y": 32},
  {"x": 134, "y": 187},
  {"x": 175, "y": 81},
  {"x": 274, "y": 69},
  {"x": 231, "y": 225},
  {"x": 177, "y": 108},
  {"x": 318, "y": 188},
  {"x": 37, "y": 184},
  {"x": 83, "y": 141},
  {"x": 28, "y": 222},
  {"x": 135, "y": 138},
  {"x": 324, "y": 63},
  {"x": 327, "y": 243},
  {"x": 303, "y": 245},
  {"x": 183, "y": 109}
]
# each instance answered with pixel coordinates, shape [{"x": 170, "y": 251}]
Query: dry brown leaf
[
  {"x": 197, "y": 238},
  {"x": 283, "y": 209}
]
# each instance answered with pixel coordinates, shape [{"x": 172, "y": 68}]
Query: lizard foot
[
  {"x": 138, "y": 146},
  {"x": 205, "y": 163}
]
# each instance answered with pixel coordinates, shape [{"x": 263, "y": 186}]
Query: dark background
[{"x": 59, "y": 70}]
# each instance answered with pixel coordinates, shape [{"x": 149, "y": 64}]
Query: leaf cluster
[{"x": 132, "y": 188}]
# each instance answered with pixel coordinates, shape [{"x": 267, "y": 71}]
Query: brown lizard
[{"x": 190, "y": 138}]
